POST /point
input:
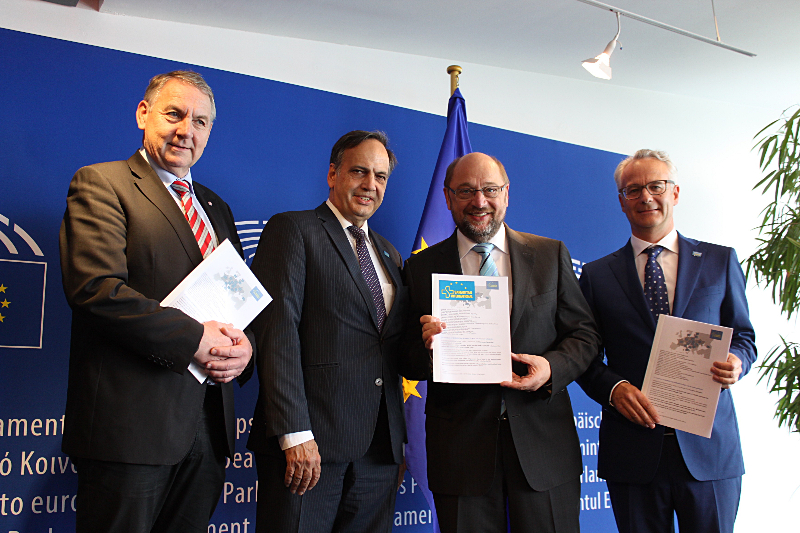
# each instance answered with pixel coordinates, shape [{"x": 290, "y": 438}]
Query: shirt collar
[
  {"x": 167, "y": 177},
  {"x": 670, "y": 242},
  {"x": 344, "y": 222},
  {"x": 465, "y": 244}
]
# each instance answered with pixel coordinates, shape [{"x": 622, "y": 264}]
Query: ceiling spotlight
[{"x": 599, "y": 66}]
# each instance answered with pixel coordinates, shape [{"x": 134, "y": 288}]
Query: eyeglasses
[
  {"x": 467, "y": 193},
  {"x": 655, "y": 188}
]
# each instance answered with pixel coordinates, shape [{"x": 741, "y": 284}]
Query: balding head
[{"x": 476, "y": 191}]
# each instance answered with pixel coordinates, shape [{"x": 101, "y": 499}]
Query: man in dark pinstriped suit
[{"x": 328, "y": 427}]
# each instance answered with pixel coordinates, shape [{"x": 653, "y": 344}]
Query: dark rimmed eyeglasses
[
  {"x": 655, "y": 188},
  {"x": 466, "y": 193}
]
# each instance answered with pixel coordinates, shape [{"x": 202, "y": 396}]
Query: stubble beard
[{"x": 479, "y": 235}]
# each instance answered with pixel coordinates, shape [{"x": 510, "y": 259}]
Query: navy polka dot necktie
[
  {"x": 655, "y": 288},
  {"x": 370, "y": 275}
]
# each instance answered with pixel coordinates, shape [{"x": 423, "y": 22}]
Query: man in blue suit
[{"x": 654, "y": 472}]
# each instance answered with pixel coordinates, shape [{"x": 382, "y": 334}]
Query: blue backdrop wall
[{"x": 68, "y": 105}]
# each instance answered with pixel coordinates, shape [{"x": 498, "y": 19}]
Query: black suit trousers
[
  {"x": 350, "y": 497},
  {"x": 511, "y": 501},
  {"x": 133, "y": 498}
]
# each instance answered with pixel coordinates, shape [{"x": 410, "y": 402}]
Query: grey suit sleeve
[
  {"x": 280, "y": 265},
  {"x": 577, "y": 333},
  {"x": 94, "y": 264}
]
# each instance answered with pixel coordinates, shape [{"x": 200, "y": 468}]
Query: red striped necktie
[{"x": 193, "y": 217}]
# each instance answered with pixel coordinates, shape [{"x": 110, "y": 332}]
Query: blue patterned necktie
[
  {"x": 488, "y": 266},
  {"x": 368, "y": 270},
  {"x": 655, "y": 288}
]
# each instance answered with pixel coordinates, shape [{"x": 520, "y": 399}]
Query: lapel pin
[
  {"x": 697, "y": 254},
  {"x": 386, "y": 254},
  {"x": 209, "y": 203}
]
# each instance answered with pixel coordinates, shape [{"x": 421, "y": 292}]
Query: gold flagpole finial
[{"x": 454, "y": 71}]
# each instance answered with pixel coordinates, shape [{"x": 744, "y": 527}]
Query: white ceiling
[{"x": 543, "y": 36}]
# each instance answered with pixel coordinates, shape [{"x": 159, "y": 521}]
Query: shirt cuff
[
  {"x": 293, "y": 439},
  {"x": 611, "y": 395}
]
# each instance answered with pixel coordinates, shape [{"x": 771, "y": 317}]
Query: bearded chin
[{"x": 476, "y": 234}]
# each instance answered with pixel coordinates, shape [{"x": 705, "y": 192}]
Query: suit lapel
[
  {"x": 522, "y": 268},
  {"x": 386, "y": 258},
  {"x": 448, "y": 261},
  {"x": 148, "y": 182},
  {"x": 623, "y": 266},
  {"x": 690, "y": 262},
  {"x": 345, "y": 249},
  {"x": 212, "y": 212}
]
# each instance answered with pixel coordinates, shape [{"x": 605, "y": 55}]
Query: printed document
[
  {"x": 221, "y": 288},
  {"x": 678, "y": 381},
  {"x": 476, "y": 345}
]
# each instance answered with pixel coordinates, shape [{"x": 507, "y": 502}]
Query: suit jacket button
[{"x": 378, "y": 382}]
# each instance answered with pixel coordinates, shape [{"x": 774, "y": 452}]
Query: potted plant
[{"x": 776, "y": 262}]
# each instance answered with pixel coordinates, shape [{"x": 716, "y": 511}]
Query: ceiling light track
[{"x": 663, "y": 26}]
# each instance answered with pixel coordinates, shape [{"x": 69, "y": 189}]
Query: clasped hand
[{"x": 224, "y": 351}]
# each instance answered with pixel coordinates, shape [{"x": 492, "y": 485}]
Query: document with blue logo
[
  {"x": 221, "y": 288},
  {"x": 678, "y": 379},
  {"x": 475, "y": 347}
]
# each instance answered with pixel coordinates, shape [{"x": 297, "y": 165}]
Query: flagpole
[{"x": 454, "y": 71}]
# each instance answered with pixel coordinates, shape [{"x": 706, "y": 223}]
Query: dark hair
[
  {"x": 356, "y": 137},
  {"x": 186, "y": 76},
  {"x": 448, "y": 175}
]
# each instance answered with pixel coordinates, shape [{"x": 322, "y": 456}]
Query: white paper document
[
  {"x": 476, "y": 345},
  {"x": 678, "y": 381},
  {"x": 221, "y": 288}
]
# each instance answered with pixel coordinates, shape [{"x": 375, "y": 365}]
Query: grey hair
[
  {"x": 646, "y": 153},
  {"x": 186, "y": 76}
]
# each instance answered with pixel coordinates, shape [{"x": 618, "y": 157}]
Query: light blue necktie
[{"x": 488, "y": 266}]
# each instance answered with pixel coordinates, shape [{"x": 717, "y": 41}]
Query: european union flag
[
  {"x": 22, "y": 285},
  {"x": 435, "y": 225}
]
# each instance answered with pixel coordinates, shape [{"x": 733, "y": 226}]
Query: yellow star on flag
[
  {"x": 2, "y": 288},
  {"x": 1, "y": 318},
  {"x": 410, "y": 389},
  {"x": 5, "y": 303},
  {"x": 422, "y": 245}
]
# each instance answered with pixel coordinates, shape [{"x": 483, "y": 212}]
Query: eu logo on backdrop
[{"x": 22, "y": 285}]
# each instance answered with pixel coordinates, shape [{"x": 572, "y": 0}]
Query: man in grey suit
[
  {"x": 328, "y": 427},
  {"x": 504, "y": 454},
  {"x": 148, "y": 438}
]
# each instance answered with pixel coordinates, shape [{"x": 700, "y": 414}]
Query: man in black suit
[
  {"x": 508, "y": 453},
  {"x": 328, "y": 427},
  {"x": 147, "y": 436}
]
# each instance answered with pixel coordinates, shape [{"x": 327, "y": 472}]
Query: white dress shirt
[{"x": 471, "y": 260}]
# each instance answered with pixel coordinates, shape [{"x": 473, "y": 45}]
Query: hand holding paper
[
  {"x": 727, "y": 373},
  {"x": 677, "y": 381},
  {"x": 431, "y": 326},
  {"x": 634, "y": 405},
  {"x": 538, "y": 373}
]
